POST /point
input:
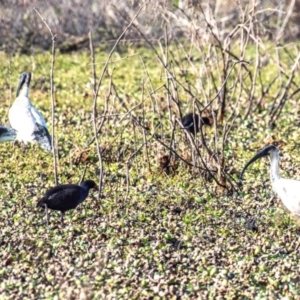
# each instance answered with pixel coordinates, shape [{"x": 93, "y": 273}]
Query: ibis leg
[
  {"x": 23, "y": 145},
  {"x": 62, "y": 217},
  {"x": 47, "y": 214}
]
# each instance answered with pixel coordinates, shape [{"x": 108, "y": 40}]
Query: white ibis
[
  {"x": 65, "y": 197},
  {"x": 26, "y": 119},
  {"x": 192, "y": 122},
  {"x": 7, "y": 134},
  {"x": 288, "y": 190}
]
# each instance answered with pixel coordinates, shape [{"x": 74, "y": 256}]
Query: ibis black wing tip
[
  {"x": 43, "y": 137},
  {"x": 7, "y": 134}
]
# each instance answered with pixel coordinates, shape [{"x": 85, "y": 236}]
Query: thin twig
[
  {"x": 96, "y": 89},
  {"x": 53, "y": 37},
  {"x": 83, "y": 174},
  {"x": 95, "y": 115}
]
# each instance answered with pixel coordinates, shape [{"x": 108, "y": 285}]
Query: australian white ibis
[
  {"x": 192, "y": 122},
  {"x": 288, "y": 190},
  {"x": 26, "y": 119},
  {"x": 7, "y": 134},
  {"x": 65, "y": 197}
]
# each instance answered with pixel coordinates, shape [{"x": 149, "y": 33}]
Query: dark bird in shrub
[
  {"x": 286, "y": 189},
  {"x": 65, "y": 197},
  {"x": 193, "y": 122}
]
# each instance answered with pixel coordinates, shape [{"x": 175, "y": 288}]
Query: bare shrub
[{"x": 71, "y": 20}]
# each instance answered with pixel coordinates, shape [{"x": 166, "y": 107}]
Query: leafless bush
[
  {"x": 71, "y": 20},
  {"x": 228, "y": 87}
]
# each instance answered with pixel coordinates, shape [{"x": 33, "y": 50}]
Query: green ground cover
[{"x": 166, "y": 234}]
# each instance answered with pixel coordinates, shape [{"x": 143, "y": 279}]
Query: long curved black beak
[{"x": 262, "y": 153}]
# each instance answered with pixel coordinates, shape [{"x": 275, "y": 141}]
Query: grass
[{"x": 170, "y": 235}]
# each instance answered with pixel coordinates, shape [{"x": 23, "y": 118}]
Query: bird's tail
[
  {"x": 41, "y": 134},
  {"x": 7, "y": 134}
]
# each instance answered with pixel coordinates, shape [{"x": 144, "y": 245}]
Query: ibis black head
[
  {"x": 192, "y": 122},
  {"x": 268, "y": 150},
  {"x": 25, "y": 77},
  {"x": 90, "y": 184}
]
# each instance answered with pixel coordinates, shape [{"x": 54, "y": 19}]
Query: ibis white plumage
[
  {"x": 288, "y": 190},
  {"x": 26, "y": 119}
]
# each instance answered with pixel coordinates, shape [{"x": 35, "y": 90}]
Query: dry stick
[
  {"x": 120, "y": 59},
  {"x": 156, "y": 53},
  {"x": 95, "y": 91},
  {"x": 228, "y": 74},
  {"x": 115, "y": 45},
  {"x": 133, "y": 108},
  {"x": 52, "y": 95},
  {"x": 280, "y": 67},
  {"x": 103, "y": 116},
  {"x": 186, "y": 131},
  {"x": 201, "y": 158},
  {"x": 276, "y": 113},
  {"x": 215, "y": 128},
  {"x": 286, "y": 19},
  {"x": 166, "y": 63},
  {"x": 230, "y": 120},
  {"x": 167, "y": 147},
  {"x": 146, "y": 152},
  {"x": 10, "y": 84},
  {"x": 253, "y": 84},
  {"x": 257, "y": 60},
  {"x": 289, "y": 77},
  {"x": 175, "y": 99},
  {"x": 224, "y": 75},
  {"x": 197, "y": 71},
  {"x": 237, "y": 58},
  {"x": 83, "y": 174},
  {"x": 226, "y": 129},
  {"x": 135, "y": 143},
  {"x": 280, "y": 70},
  {"x": 133, "y": 155},
  {"x": 207, "y": 59},
  {"x": 151, "y": 84},
  {"x": 264, "y": 92}
]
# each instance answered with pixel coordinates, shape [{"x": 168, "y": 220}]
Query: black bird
[
  {"x": 192, "y": 122},
  {"x": 65, "y": 197}
]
